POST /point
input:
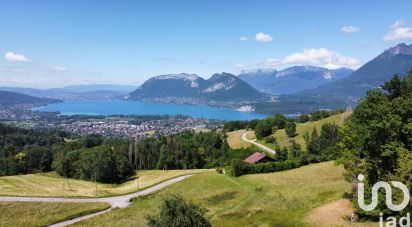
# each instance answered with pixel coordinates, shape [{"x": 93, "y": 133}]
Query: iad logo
[{"x": 388, "y": 190}]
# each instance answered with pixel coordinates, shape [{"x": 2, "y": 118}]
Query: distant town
[{"x": 131, "y": 126}]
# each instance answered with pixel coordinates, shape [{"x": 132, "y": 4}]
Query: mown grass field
[
  {"x": 43, "y": 214},
  {"x": 53, "y": 185},
  {"x": 273, "y": 199},
  {"x": 235, "y": 141},
  {"x": 301, "y": 128}
]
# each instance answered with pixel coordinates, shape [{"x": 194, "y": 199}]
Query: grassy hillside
[
  {"x": 235, "y": 141},
  {"x": 43, "y": 214},
  {"x": 274, "y": 199},
  {"x": 53, "y": 185},
  {"x": 302, "y": 128}
]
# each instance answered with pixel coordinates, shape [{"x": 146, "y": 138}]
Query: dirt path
[
  {"x": 115, "y": 201},
  {"x": 334, "y": 214},
  {"x": 244, "y": 138}
]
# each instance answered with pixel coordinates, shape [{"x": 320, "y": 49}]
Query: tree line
[
  {"x": 377, "y": 142},
  {"x": 109, "y": 160},
  {"x": 265, "y": 127},
  {"x": 113, "y": 160},
  {"x": 26, "y": 151}
]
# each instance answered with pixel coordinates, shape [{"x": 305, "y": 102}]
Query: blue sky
[{"x": 56, "y": 43}]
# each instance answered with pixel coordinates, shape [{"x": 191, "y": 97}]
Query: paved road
[
  {"x": 115, "y": 201},
  {"x": 244, "y": 138}
]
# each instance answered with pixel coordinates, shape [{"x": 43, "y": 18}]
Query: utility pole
[
  {"x": 68, "y": 182},
  {"x": 137, "y": 181},
  {"x": 95, "y": 181},
  {"x": 185, "y": 169},
  {"x": 137, "y": 186}
]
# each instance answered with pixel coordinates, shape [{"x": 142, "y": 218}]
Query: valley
[{"x": 205, "y": 113}]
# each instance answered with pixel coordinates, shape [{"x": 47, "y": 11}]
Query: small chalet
[{"x": 257, "y": 157}]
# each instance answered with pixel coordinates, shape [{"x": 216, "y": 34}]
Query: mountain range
[
  {"x": 293, "y": 79},
  {"x": 93, "y": 91},
  {"x": 347, "y": 91},
  {"x": 8, "y": 98},
  {"x": 190, "y": 88},
  {"x": 395, "y": 60},
  {"x": 298, "y": 88}
]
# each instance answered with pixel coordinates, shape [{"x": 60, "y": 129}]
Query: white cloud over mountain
[
  {"x": 398, "y": 31},
  {"x": 315, "y": 56}
]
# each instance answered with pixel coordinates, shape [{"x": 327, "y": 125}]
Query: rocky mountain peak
[{"x": 401, "y": 48}]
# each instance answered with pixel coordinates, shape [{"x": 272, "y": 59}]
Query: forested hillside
[
  {"x": 108, "y": 160},
  {"x": 377, "y": 140}
]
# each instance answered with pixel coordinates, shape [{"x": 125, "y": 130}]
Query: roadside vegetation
[
  {"x": 53, "y": 185},
  {"x": 271, "y": 199},
  {"x": 44, "y": 214}
]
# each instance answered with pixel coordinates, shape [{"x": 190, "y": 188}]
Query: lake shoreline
[{"x": 126, "y": 108}]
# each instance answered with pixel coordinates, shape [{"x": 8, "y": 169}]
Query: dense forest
[
  {"x": 377, "y": 141},
  {"x": 25, "y": 151},
  {"x": 109, "y": 160}
]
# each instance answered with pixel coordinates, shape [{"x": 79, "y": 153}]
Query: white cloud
[
  {"x": 58, "y": 69},
  {"x": 315, "y": 56},
  {"x": 10, "y": 56},
  {"x": 308, "y": 56},
  {"x": 398, "y": 31},
  {"x": 240, "y": 66},
  {"x": 243, "y": 38},
  {"x": 262, "y": 37},
  {"x": 349, "y": 29}
]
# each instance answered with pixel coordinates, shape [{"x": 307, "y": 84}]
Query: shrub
[
  {"x": 263, "y": 129},
  {"x": 237, "y": 167},
  {"x": 290, "y": 129},
  {"x": 176, "y": 212}
]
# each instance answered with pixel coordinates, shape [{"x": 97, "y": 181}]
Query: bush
[
  {"x": 290, "y": 129},
  {"x": 176, "y": 212},
  {"x": 269, "y": 167},
  {"x": 304, "y": 118},
  {"x": 263, "y": 129},
  {"x": 270, "y": 139},
  {"x": 237, "y": 168}
]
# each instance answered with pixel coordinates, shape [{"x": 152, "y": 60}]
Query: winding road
[
  {"x": 244, "y": 138},
  {"x": 115, "y": 201}
]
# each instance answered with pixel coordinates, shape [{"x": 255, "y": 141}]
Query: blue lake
[{"x": 120, "y": 107}]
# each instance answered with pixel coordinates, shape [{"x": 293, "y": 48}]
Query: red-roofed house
[{"x": 257, "y": 157}]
